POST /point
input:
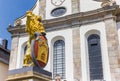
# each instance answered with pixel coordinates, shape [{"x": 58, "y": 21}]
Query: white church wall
[
  {"x": 87, "y": 5},
  {"x": 66, "y": 35},
  {"x": 86, "y": 30},
  {"x": 37, "y": 7},
  {"x": 23, "y": 21},
  {"x": 50, "y": 7},
  {"x": 117, "y": 2},
  {"x": 20, "y": 56}
]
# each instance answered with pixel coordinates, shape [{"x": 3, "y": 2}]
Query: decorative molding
[{"x": 72, "y": 20}]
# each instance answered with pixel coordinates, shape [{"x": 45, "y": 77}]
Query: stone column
[
  {"x": 75, "y": 6},
  {"x": 76, "y": 54},
  {"x": 113, "y": 46},
  {"x": 14, "y": 52}
]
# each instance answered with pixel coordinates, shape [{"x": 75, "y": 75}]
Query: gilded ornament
[{"x": 33, "y": 25}]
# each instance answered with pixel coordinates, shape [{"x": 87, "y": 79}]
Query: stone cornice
[{"x": 72, "y": 20}]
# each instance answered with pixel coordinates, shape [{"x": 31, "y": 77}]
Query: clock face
[{"x": 57, "y": 2}]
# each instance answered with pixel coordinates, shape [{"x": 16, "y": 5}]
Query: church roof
[{"x": 4, "y": 55}]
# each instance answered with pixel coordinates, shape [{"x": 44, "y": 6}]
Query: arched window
[
  {"x": 59, "y": 59},
  {"x": 95, "y": 58}
]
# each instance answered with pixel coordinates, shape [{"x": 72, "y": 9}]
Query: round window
[{"x": 58, "y": 11}]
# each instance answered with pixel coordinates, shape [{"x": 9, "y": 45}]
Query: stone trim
[
  {"x": 113, "y": 48},
  {"x": 13, "y": 54},
  {"x": 76, "y": 53},
  {"x": 71, "y": 20}
]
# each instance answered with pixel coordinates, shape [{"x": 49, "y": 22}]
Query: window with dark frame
[
  {"x": 58, "y": 11},
  {"x": 95, "y": 58},
  {"x": 59, "y": 59}
]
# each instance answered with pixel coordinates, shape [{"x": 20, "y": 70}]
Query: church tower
[{"x": 83, "y": 38}]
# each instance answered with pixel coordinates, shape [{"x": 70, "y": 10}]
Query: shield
[{"x": 40, "y": 51}]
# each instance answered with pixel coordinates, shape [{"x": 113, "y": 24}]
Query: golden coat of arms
[
  {"x": 40, "y": 50},
  {"x": 37, "y": 47}
]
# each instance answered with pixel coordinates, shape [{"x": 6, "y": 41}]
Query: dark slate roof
[{"x": 4, "y": 55}]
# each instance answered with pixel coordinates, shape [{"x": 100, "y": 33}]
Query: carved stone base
[{"x": 29, "y": 74}]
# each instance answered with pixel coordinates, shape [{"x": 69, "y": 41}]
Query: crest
[{"x": 40, "y": 51}]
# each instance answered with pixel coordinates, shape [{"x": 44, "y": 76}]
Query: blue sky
[{"x": 9, "y": 11}]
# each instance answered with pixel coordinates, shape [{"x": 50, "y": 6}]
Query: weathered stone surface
[
  {"x": 13, "y": 55},
  {"x": 76, "y": 53},
  {"x": 29, "y": 73},
  {"x": 113, "y": 45}
]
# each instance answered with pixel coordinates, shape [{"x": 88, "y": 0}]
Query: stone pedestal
[{"x": 29, "y": 74}]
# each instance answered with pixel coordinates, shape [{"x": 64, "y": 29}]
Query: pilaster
[
  {"x": 113, "y": 46},
  {"x": 76, "y": 54},
  {"x": 14, "y": 52}
]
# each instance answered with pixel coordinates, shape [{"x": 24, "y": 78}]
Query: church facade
[{"x": 83, "y": 39}]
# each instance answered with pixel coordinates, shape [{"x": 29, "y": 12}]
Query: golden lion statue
[{"x": 33, "y": 24}]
